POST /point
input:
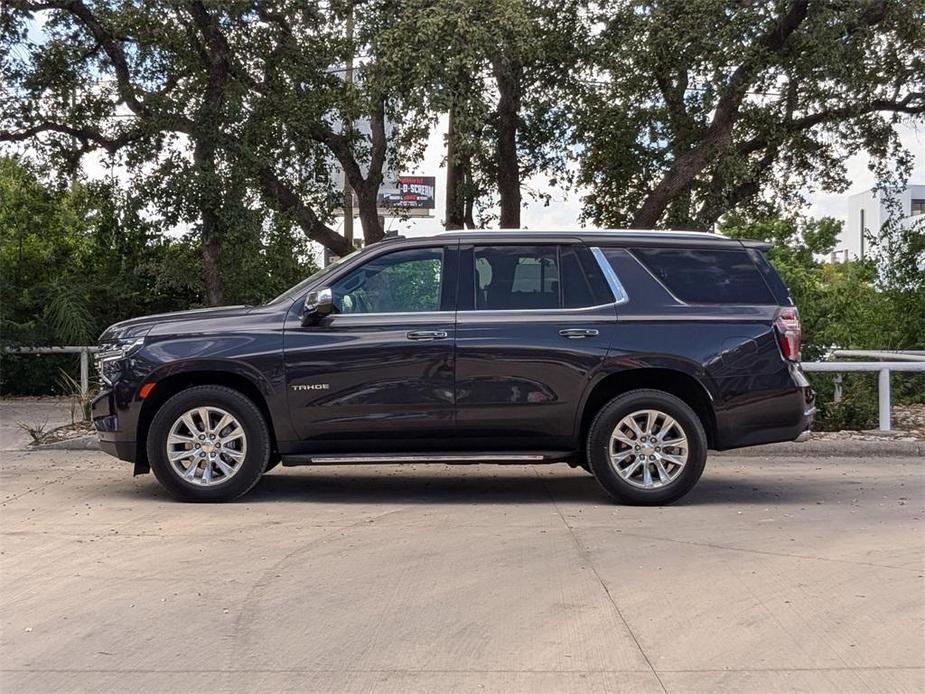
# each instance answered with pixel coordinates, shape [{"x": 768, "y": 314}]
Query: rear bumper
[{"x": 782, "y": 415}]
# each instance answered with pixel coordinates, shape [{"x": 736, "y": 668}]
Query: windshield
[{"x": 293, "y": 292}]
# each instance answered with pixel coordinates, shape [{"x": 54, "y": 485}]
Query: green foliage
[
  {"x": 700, "y": 107},
  {"x": 853, "y": 305},
  {"x": 78, "y": 258}
]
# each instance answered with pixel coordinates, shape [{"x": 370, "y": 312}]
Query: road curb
[
  {"x": 82, "y": 443},
  {"x": 842, "y": 448}
]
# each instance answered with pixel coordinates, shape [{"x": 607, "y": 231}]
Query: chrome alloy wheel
[
  {"x": 648, "y": 449},
  {"x": 206, "y": 446}
]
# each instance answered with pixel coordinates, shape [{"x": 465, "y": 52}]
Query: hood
[{"x": 139, "y": 327}]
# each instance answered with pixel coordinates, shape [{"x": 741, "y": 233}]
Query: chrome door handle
[
  {"x": 426, "y": 335},
  {"x": 578, "y": 333}
]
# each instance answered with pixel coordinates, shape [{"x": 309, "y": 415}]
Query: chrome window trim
[
  {"x": 433, "y": 314},
  {"x": 619, "y": 293},
  {"x": 519, "y": 311}
]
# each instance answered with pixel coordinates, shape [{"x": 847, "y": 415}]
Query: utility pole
[{"x": 348, "y": 77}]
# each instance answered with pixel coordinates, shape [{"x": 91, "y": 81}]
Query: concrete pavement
[
  {"x": 773, "y": 575},
  {"x": 49, "y": 413}
]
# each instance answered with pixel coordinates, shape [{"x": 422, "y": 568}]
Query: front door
[
  {"x": 377, "y": 374},
  {"x": 533, "y": 323}
]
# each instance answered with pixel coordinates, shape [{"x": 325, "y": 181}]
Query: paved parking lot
[{"x": 774, "y": 575}]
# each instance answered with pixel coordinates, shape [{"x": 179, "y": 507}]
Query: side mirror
[{"x": 318, "y": 304}]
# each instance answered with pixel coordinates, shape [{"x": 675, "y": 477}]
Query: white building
[{"x": 869, "y": 211}]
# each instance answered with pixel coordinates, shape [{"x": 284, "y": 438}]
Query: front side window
[
  {"x": 516, "y": 278},
  {"x": 406, "y": 281}
]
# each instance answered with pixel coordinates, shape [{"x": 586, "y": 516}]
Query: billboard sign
[{"x": 411, "y": 193}]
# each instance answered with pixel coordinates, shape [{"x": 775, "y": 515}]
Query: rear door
[
  {"x": 378, "y": 373},
  {"x": 532, "y": 324}
]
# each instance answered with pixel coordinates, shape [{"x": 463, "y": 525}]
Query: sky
[{"x": 564, "y": 210}]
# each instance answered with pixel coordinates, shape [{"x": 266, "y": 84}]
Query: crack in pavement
[{"x": 586, "y": 556}]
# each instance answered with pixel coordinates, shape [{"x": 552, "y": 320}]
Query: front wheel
[
  {"x": 647, "y": 447},
  {"x": 208, "y": 443}
]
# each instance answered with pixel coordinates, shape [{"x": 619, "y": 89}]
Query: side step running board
[{"x": 386, "y": 459}]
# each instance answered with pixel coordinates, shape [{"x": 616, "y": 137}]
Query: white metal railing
[
  {"x": 883, "y": 367},
  {"x": 880, "y": 354},
  {"x": 83, "y": 350}
]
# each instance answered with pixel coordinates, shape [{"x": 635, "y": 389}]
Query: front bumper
[{"x": 115, "y": 437}]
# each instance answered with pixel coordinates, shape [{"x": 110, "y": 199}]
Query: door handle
[
  {"x": 578, "y": 333},
  {"x": 426, "y": 335}
]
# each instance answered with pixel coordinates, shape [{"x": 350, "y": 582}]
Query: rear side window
[
  {"x": 583, "y": 285},
  {"x": 775, "y": 283},
  {"x": 516, "y": 278},
  {"x": 706, "y": 275}
]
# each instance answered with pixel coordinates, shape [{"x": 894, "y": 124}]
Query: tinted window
[
  {"x": 707, "y": 276},
  {"x": 516, "y": 277},
  {"x": 405, "y": 281},
  {"x": 775, "y": 283},
  {"x": 583, "y": 284}
]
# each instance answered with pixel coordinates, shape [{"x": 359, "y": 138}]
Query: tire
[
  {"x": 178, "y": 430},
  {"x": 274, "y": 461},
  {"x": 664, "y": 474}
]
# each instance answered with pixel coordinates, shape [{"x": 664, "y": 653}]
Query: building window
[{"x": 918, "y": 207}]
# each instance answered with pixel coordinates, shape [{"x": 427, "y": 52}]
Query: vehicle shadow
[
  {"x": 424, "y": 486},
  {"x": 437, "y": 486}
]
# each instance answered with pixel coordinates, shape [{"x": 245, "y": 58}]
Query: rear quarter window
[{"x": 707, "y": 275}]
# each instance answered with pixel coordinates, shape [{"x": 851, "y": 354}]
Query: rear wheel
[
  {"x": 647, "y": 447},
  {"x": 208, "y": 443}
]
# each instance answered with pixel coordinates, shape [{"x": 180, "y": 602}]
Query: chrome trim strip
[
  {"x": 331, "y": 459},
  {"x": 432, "y": 314},
  {"x": 546, "y": 311},
  {"x": 619, "y": 293}
]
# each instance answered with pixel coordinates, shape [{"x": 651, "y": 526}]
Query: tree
[
  {"x": 215, "y": 109},
  {"x": 700, "y": 107},
  {"x": 501, "y": 71}
]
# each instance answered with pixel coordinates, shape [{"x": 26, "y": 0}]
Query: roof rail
[{"x": 703, "y": 234}]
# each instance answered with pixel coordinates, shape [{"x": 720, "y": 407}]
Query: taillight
[{"x": 787, "y": 325}]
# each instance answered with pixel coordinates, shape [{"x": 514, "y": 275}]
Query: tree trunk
[
  {"x": 507, "y": 76},
  {"x": 211, "y": 262},
  {"x": 367, "y": 195},
  {"x": 455, "y": 179},
  {"x": 205, "y": 138},
  {"x": 469, "y": 194},
  {"x": 211, "y": 231}
]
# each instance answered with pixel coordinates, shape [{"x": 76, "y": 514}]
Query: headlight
[{"x": 110, "y": 356}]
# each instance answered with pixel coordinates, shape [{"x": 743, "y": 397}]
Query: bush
[
  {"x": 878, "y": 303},
  {"x": 76, "y": 260}
]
